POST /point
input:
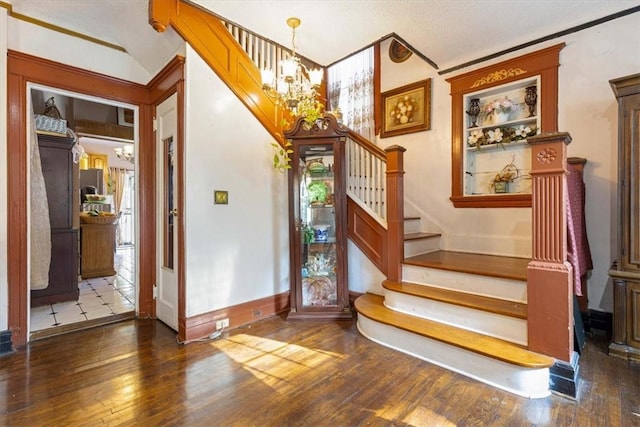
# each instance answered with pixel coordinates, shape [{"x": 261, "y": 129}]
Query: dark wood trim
[
  {"x": 167, "y": 82},
  {"x": 202, "y": 325},
  {"x": 23, "y": 69},
  {"x": 543, "y": 39},
  {"x": 377, "y": 92},
  {"x": 564, "y": 378},
  {"x": 5, "y": 342},
  {"x": 353, "y": 296}
]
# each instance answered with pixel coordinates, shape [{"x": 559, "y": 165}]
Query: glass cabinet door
[{"x": 317, "y": 225}]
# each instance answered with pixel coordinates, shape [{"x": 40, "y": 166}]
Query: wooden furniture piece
[
  {"x": 59, "y": 171},
  {"x": 625, "y": 271},
  {"x": 98, "y": 247},
  {"x": 477, "y": 155},
  {"x": 318, "y": 221}
]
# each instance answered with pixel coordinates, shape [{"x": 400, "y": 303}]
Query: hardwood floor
[{"x": 279, "y": 373}]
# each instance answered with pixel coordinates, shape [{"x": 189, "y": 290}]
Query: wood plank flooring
[{"x": 279, "y": 373}]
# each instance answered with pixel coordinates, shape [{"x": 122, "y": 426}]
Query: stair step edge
[
  {"x": 421, "y": 235},
  {"x": 503, "y": 267},
  {"x": 372, "y": 306},
  {"x": 464, "y": 299}
]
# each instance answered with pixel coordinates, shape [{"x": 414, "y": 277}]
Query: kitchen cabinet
[{"x": 97, "y": 250}]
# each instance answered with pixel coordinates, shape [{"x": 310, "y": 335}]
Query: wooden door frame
[{"x": 23, "y": 69}]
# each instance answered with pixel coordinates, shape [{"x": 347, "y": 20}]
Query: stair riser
[
  {"x": 421, "y": 246},
  {"x": 511, "y": 290},
  {"x": 412, "y": 226},
  {"x": 531, "y": 383},
  {"x": 495, "y": 325}
]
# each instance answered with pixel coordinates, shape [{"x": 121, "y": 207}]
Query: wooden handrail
[{"x": 368, "y": 145}]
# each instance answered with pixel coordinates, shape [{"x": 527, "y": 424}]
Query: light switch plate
[{"x": 220, "y": 197}]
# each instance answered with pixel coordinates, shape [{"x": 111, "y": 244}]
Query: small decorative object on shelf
[
  {"x": 499, "y": 110},
  {"x": 500, "y": 182},
  {"x": 474, "y": 111},
  {"x": 531, "y": 98}
]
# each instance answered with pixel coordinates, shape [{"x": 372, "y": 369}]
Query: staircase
[
  {"x": 464, "y": 312},
  {"x": 457, "y": 314}
]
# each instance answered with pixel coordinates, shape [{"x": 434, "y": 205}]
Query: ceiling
[{"x": 448, "y": 32}]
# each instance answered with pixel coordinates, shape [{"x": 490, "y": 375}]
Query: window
[{"x": 351, "y": 89}]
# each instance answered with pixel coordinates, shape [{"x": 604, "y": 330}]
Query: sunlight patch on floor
[{"x": 277, "y": 364}]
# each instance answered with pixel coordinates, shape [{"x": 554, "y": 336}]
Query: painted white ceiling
[{"x": 449, "y": 32}]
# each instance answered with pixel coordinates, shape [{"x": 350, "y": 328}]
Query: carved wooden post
[
  {"x": 395, "y": 212},
  {"x": 549, "y": 275}
]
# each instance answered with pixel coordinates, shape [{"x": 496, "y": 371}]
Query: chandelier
[
  {"x": 296, "y": 87},
  {"x": 125, "y": 153}
]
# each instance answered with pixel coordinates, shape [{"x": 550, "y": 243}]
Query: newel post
[
  {"x": 549, "y": 275},
  {"x": 395, "y": 212}
]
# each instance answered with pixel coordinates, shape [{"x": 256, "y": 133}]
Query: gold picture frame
[{"x": 406, "y": 109}]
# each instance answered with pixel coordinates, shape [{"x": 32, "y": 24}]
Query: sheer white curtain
[{"x": 351, "y": 89}]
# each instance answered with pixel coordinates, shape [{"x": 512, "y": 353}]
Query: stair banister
[
  {"x": 549, "y": 274},
  {"x": 236, "y": 56},
  {"x": 395, "y": 211},
  {"x": 209, "y": 37}
]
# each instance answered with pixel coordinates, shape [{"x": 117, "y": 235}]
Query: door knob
[{"x": 173, "y": 212}]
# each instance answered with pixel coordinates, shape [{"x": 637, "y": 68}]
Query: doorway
[{"x": 106, "y": 271}]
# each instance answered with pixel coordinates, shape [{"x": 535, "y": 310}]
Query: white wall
[
  {"x": 237, "y": 252},
  {"x": 4, "y": 303},
  {"x": 41, "y": 42},
  {"x": 587, "y": 110}
]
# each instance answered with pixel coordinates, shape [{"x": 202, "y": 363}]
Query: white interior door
[{"x": 167, "y": 212}]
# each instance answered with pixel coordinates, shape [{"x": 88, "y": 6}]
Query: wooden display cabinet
[
  {"x": 59, "y": 174},
  {"x": 625, "y": 272},
  {"x": 484, "y": 145},
  {"x": 317, "y": 208}
]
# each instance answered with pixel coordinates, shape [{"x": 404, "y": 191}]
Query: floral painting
[{"x": 406, "y": 109}]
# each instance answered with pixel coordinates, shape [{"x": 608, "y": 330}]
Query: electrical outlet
[{"x": 222, "y": 323}]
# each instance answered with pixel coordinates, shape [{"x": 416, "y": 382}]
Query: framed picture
[
  {"x": 125, "y": 117},
  {"x": 406, "y": 109},
  {"x": 398, "y": 52}
]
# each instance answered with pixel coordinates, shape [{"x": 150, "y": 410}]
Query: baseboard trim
[
  {"x": 204, "y": 324},
  {"x": 353, "y": 295},
  {"x": 564, "y": 378},
  {"x": 5, "y": 342},
  {"x": 599, "y": 322}
]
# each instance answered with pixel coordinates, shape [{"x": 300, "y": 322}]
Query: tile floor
[{"x": 99, "y": 297}]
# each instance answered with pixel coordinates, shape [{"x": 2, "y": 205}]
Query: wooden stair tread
[
  {"x": 418, "y": 236},
  {"x": 464, "y": 299},
  {"x": 463, "y": 262},
  {"x": 372, "y": 306}
]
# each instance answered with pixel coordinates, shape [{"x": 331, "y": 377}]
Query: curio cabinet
[{"x": 317, "y": 209}]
